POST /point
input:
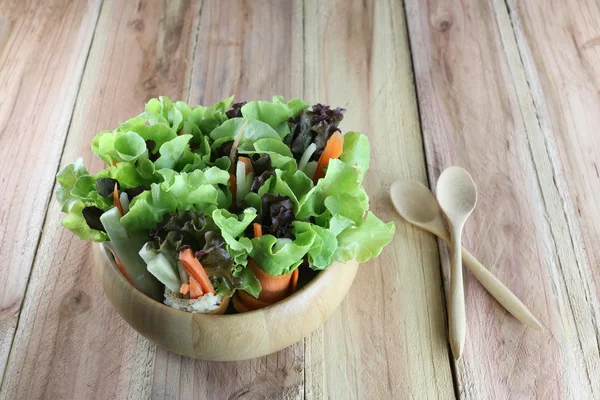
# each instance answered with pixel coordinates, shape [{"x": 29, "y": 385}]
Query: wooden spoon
[
  {"x": 417, "y": 205},
  {"x": 457, "y": 197}
]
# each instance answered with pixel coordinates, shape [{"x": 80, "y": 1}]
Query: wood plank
[
  {"x": 561, "y": 66},
  {"x": 70, "y": 342},
  {"x": 477, "y": 111},
  {"x": 253, "y": 50},
  {"x": 388, "y": 339},
  {"x": 43, "y": 48}
]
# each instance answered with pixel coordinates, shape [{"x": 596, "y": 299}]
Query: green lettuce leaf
[
  {"x": 274, "y": 113},
  {"x": 171, "y": 151},
  {"x": 75, "y": 222},
  {"x": 356, "y": 152},
  {"x": 249, "y": 281},
  {"x": 199, "y": 190},
  {"x": 341, "y": 179},
  {"x": 209, "y": 118},
  {"x": 253, "y": 131},
  {"x": 321, "y": 253},
  {"x": 282, "y": 256},
  {"x": 116, "y": 146},
  {"x": 232, "y": 228},
  {"x": 67, "y": 178},
  {"x": 363, "y": 242}
]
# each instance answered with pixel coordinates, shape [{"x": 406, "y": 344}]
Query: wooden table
[{"x": 508, "y": 89}]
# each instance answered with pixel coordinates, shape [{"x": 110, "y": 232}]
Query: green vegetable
[
  {"x": 117, "y": 146},
  {"x": 274, "y": 113},
  {"x": 197, "y": 190},
  {"x": 341, "y": 180},
  {"x": 171, "y": 165},
  {"x": 164, "y": 271},
  {"x": 363, "y": 242},
  {"x": 232, "y": 228},
  {"x": 282, "y": 256},
  {"x": 127, "y": 248},
  {"x": 357, "y": 152}
]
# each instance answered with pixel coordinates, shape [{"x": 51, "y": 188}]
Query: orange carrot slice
[
  {"x": 185, "y": 288},
  {"x": 333, "y": 149},
  {"x": 247, "y": 162},
  {"x": 117, "y": 201},
  {"x": 257, "y": 229},
  {"x": 232, "y": 186},
  {"x": 294, "y": 281},
  {"x": 195, "y": 289},
  {"x": 250, "y": 301},
  {"x": 239, "y": 305},
  {"x": 196, "y": 270},
  {"x": 274, "y": 287}
]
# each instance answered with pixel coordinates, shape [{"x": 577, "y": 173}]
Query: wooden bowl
[{"x": 227, "y": 337}]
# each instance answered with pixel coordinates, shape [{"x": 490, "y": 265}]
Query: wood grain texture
[
  {"x": 70, "y": 342},
  {"x": 40, "y": 71},
  {"x": 564, "y": 80},
  {"x": 389, "y": 338},
  {"x": 477, "y": 111}
]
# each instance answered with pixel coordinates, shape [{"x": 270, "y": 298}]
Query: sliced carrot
[
  {"x": 274, "y": 287},
  {"x": 122, "y": 269},
  {"x": 239, "y": 305},
  {"x": 250, "y": 301},
  {"x": 333, "y": 149},
  {"x": 117, "y": 201},
  {"x": 294, "y": 282},
  {"x": 196, "y": 270},
  {"x": 257, "y": 230},
  {"x": 232, "y": 186},
  {"x": 247, "y": 162},
  {"x": 195, "y": 289},
  {"x": 185, "y": 288}
]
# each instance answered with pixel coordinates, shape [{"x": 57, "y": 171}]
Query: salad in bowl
[{"x": 227, "y": 208}]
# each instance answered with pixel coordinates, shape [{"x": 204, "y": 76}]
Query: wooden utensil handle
[
  {"x": 456, "y": 310},
  {"x": 500, "y": 292}
]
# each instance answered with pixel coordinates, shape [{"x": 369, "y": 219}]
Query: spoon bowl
[
  {"x": 456, "y": 194},
  {"x": 417, "y": 205}
]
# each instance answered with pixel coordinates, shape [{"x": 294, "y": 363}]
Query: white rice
[{"x": 207, "y": 303}]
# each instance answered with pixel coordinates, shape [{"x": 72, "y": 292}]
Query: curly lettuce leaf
[
  {"x": 197, "y": 190},
  {"x": 249, "y": 281},
  {"x": 365, "y": 241},
  {"x": 322, "y": 251},
  {"x": 76, "y": 223},
  {"x": 171, "y": 151},
  {"x": 274, "y": 113},
  {"x": 253, "y": 131},
  {"x": 341, "y": 179},
  {"x": 232, "y": 227},
  {"x": 67, "y": 178},
  {"x": 209, "y": 118},
  {"x": 281, "y": 256},
  {"x": 117, "y": 146}
]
